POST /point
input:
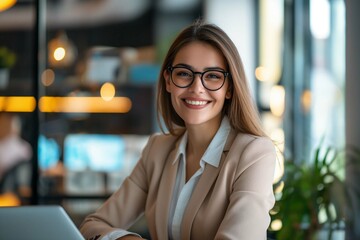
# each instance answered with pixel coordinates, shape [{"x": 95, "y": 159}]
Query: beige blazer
[{"x": 229, "y": 202}]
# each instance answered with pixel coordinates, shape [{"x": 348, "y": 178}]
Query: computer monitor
[
  {"x": 48, "y": 152},
  {"x": 98, "y": 163},
  {"x": 95, "y": 152}
]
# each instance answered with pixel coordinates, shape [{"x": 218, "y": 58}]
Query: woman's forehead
[{"x": 200, "y": 55}]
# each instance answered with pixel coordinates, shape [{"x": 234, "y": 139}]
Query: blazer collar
[
  {"x": 166, "y": 189},
  {"x": 202, "y": 188},
  {"x": 230, "y": 140}
]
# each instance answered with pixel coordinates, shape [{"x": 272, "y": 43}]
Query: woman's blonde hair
[{"x": 240, "y": 108}]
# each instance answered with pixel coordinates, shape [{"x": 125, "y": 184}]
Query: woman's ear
[{"x": 166, "y": 76}]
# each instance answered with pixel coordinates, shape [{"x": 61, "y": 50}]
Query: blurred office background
[{"x": 78, "y": 86}]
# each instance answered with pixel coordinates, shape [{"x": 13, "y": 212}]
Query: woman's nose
[{"x": 197, "y": 85}]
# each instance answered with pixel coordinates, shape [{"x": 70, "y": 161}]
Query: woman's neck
[{"x": 199, "y": 138}]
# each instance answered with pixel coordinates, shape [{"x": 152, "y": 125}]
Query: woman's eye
[
  {"x": 213, "y": 76},
  {"x": 183, "y": 74}
]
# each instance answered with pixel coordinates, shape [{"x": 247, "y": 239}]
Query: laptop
[{"x": 38, "y": 223}]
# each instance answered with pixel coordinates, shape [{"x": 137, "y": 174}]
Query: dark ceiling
[{"x": 133, "y": 33}]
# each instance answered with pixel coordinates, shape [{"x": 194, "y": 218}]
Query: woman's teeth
[{"x": 197, "y": 103}]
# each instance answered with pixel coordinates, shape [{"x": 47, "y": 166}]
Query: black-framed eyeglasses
[{"x": 183, "y": 77}]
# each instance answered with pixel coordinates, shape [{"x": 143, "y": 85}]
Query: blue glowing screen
[{"x": 96, "y": 152}]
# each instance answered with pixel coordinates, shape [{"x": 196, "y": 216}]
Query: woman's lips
[{"x": 196, "y": 103}]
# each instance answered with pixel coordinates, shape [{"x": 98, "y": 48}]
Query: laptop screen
[{"x": 37, "y": 222}]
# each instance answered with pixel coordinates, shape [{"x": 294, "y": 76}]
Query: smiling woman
[{"x": 209, "y": 175}]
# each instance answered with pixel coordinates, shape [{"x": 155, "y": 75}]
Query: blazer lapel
[
  {"x": 166, "y": 188},
  {"x": 202, "y": 188}
]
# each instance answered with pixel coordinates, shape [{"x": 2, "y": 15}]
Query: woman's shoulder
[
  {"x": 157, "y": 150},
  {"x": 246, "y": 149},
  {"x": 162, "y": 142},
  {"x": 163, "y": 138},
  {"x": 248, "y": 141}
]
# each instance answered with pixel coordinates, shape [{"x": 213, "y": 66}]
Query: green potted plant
[
  {"x": 311, "y": 197},
  {"x": 7, "y": 60}
]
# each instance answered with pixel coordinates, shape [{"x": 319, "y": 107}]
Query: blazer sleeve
[
  {"x": 124, "y": 207},
  {"x": 251, "y": 199}
]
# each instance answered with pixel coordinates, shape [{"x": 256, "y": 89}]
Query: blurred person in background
[{"x": 13, "y": 151}]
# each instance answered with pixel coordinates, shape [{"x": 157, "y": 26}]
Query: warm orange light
[
  {"x": 9, "y": 200},
  {"x": 66, "y": 104},
  {"x": 276, "y": 225},
  {"x": 277, "y": 100},
  {"x": 85, "y": 105},
  {"x": 306, "y": 100},
  {"x": 59, "y": 53},
  {"x": 17, "y": 104},
  {"x": 107, "y": 91},
  {"x": 262, "y": 74},
  {"x": 6, "y": 4}
]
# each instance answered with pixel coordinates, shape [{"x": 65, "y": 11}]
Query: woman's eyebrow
[
  {"x": 214, "y": 68},
  {"x": 184, "y": 65},
  {"x": 192, "y": 68}
]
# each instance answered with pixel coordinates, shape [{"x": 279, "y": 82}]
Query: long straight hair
[{"x": 240, "y": 108}]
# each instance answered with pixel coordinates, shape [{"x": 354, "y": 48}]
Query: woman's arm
[{"x": 124, "y": 207}]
